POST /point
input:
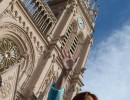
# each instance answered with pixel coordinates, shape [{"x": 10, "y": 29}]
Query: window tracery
[
  {"x": 70, "y": 40},
  {"x": 74, "y": 45},
  {"x": 66, "y": 36},
  {"x": 9, "y": 53}
]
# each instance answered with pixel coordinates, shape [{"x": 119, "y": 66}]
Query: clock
[{"x": 80, "y": 23}]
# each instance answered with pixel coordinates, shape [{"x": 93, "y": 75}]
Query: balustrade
[{"x": 42, "y": 17}]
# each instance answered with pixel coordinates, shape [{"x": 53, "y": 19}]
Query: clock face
[{"x": 81, "y": 23}]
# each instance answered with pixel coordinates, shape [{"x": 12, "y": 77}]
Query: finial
[
  {"x": 96, "y": 12},
  {"x": 93, "y": 4},
  {"x": 97, "y": 9}
]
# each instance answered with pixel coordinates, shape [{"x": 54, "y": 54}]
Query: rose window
[{"x": 9, "y": 53}]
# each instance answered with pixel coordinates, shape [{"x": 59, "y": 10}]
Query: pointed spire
[
  {"x": 97, "y": 9},
  {"x": 96, "y": 12},
  {"x": 93, "y": 6}
]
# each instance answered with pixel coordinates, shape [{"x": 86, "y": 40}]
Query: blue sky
[{"x": 108, "y": 65}]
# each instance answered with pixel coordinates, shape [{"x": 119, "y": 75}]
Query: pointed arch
[{"x": 20, "y": 37}]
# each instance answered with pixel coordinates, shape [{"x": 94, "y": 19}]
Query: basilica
[{"x": 32, "y": 34}]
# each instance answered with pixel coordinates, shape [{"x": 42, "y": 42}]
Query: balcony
[{"x": 41, "y": 14}]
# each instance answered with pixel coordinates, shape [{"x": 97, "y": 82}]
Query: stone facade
[{"x": 32, "y": 33}]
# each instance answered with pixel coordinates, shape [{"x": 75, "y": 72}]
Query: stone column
[
  {"x": 84, "y": 53},
  {"x": 63, "y": 22},
  {"x": 42, "y": 60}
]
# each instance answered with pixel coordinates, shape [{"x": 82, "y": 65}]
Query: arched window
[
  {"x": 78, "y": 44},
  {"x": 66, "y": 36},
  {"x": 74, "y": 45},
  {"x": 70, "y": 38}
]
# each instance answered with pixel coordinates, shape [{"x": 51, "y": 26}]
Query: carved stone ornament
[
  {"x": 9, "y": 53},
  {"x": 15, "y": 29},
  {"x": 24, "y": 43},
  {"x": 5, "y": 89},
  {"x": 6, "y": 14}
]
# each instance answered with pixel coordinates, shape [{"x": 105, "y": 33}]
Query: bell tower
[{"x": 73, "y": 31}]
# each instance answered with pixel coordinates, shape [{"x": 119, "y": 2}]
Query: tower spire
[
  {"x": 96, "y": 12},
  {"x": 97, "y": 9},
  {"x": 93, "y": 6}
]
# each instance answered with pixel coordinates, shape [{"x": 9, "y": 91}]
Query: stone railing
[{"x": 41, "y": 14}]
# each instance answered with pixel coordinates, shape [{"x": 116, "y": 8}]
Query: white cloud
[{"x": 108, "y": 67}]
